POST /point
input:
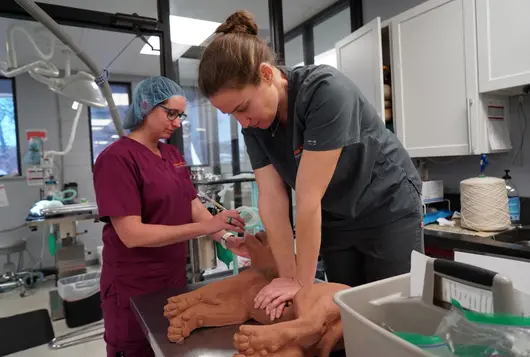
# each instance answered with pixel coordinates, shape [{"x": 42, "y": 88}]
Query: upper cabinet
[
  {"x": 360, "y": 56},
  {"x": 420, "y": 69},
  {"x": 503, "y": 40},
  {"x": 435, "y": 87}
]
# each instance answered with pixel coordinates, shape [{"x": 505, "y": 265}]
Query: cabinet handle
[{"x": 469, "y": 126}]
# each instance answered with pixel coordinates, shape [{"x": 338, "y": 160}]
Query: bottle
[{"x": 514, "y": 205}]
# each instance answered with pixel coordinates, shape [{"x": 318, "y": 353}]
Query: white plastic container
[
  {"x": 364, "y": 309},
  {"x": 78, "y": 287},
  {"x": 81, "y": 300}
]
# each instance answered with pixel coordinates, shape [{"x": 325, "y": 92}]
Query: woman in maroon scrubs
[{"x": 150, "y": 207}]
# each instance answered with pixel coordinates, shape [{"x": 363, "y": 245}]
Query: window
[
  {"x": 294, "y": 52},
  {"x": 9, "y": 150},
  {"x": 327, "y": 34},
  {"x": 194, "y": 128},
  {"x": 224, "y": 130},
  {"x": 101, "y": 125}
]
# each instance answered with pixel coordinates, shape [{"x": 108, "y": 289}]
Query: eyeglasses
[{"x": 173, "y": 114}]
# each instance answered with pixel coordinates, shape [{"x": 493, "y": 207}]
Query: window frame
[
  {"x": 129, "y": 93},
  {"x": 306, "y": 28},
  {"x": 17, "y": 127}
]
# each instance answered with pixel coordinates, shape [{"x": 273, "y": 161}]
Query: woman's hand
[
  {"x": 237, "y": 246},
  {"x": 274, "y": 296},
  {"x": 226, "y": 220}
]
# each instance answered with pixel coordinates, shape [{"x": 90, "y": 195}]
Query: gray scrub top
[{"x": 374, "y": 179}]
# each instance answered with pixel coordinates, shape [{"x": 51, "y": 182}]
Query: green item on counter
[
  {"x": 435, "y": 345},
  {"x": 420, "y": 340},
  {"x": 51, "y": 244},
  {"x": 492, "y": 319},
  {"x": 223, "y": 254}
]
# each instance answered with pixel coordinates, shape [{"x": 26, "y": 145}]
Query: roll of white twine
[{"x": 484, "y": 204}]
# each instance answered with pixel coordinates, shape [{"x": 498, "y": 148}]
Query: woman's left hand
[
  {"x": 237, "y": 246},
  {"x": 274, "y": 296}
]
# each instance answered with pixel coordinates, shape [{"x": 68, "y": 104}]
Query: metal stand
[{"x": 57, "y": 343}]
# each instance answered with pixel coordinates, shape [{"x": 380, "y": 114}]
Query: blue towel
[{"x": 431, "y": 217}]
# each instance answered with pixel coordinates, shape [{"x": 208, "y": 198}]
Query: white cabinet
[
  {"x": 503, "y": 28},
  {"x": 431, "y": 50},
  {"x": 435, "y": 84},
  {"x": 360, "y": 57}
]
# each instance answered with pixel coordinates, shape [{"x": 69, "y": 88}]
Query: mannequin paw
[
  {"x": 178, "y": 304},
  {"x": 260, "y": 340},
  {"x": 183, "y": 325}
]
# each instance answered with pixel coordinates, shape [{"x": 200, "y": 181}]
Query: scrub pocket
[{"x": 123, "y": 333}]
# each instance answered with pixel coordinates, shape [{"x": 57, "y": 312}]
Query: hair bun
[{"x": 239, "y": 22}]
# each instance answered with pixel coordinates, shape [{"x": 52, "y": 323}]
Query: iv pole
[{"x": 38, "y": 14}]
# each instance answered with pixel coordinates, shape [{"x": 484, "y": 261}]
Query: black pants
[{"x": 362, "y": 256}]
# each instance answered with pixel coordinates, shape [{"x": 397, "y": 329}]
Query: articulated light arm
[{"x": 38, "y": 14}]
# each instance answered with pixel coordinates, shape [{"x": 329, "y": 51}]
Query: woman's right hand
[{"x": 228, "y": 220}]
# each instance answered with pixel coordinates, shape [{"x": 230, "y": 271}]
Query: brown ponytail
[{"x": 232, "y": 60}]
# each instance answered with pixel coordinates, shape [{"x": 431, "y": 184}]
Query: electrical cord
[{"x": 523, "y": 119}]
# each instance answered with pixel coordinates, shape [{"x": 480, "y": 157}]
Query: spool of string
[{"x": 484, "y": 204}]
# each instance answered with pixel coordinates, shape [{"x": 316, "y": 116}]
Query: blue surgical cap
[{"x": 149, "y": 93}]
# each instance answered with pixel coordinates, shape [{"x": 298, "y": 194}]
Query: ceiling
[{"x": 103, "y": 46}]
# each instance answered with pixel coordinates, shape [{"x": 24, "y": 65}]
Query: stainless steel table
[{"x": 205, "y": 342}]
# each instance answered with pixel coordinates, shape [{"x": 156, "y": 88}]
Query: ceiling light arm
[
  {"x": 101, "y": 76},
  {"x": 43, "y": 68},
  {"x": 10, "y": 46},
  {"x": 72, "y": 135}
]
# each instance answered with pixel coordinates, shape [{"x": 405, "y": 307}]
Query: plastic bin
[
  {"x": 366, "y": 308},
  {"x": 81, "y": 300}
]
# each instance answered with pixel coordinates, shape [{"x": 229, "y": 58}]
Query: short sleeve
[
  {"x": 258, "y": 157},
  {"x": 117, "y": 186},
  {"x": 331, "y": 107}
]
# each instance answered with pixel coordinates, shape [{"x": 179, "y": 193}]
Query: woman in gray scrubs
[{"x": 358, "y": 194}]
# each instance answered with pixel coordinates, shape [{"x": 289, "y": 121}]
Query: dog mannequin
[{"x": 310, "y": 326}]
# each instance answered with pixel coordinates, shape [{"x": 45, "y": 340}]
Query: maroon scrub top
[{"x": 130, "y": 180}]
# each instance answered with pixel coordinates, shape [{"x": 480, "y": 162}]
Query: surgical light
[
  {"x": 67, "y": 87},
  {"x": 80, "y": 87}
]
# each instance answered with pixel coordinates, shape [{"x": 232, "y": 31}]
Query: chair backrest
[{"x": 13, "y": 237}]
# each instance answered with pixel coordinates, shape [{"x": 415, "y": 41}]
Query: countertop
[{"x": 502, "y": 244}]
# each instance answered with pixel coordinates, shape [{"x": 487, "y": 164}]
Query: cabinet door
[
  {"x": 360, "y": 57},
  {"x": 434, "y": 78},
  {"x": 503, "y": 33}
]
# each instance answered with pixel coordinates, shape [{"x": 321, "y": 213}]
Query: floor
[{"x": 11, "y": 303}]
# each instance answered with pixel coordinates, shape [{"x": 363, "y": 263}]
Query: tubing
[
  {"x": 38, "y": 68},
  {"x": 72, "y": 134},
  {"x": 38, "y": 14},
  {"x": 10, "y": 46}
]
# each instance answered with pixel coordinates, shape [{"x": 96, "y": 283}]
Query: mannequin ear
[{"x": 266, "y": 72}]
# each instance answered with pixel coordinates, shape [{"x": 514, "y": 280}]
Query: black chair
[{"x": 24, "y": 331}]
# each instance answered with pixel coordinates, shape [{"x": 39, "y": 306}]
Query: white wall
[
  {"x": 453, "y": 170},
  {"x": 36, "y": 109},
  {"x": 39, "y": 108}
]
